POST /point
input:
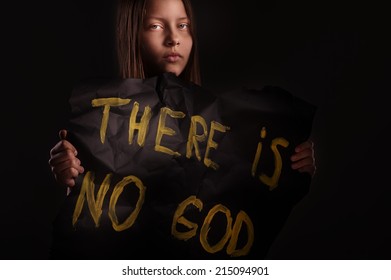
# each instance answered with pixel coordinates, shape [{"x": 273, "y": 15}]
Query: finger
[
  {"x": 311, "y": 169},
  {"x": 305, "y": 145},
  {"x": 68, "y": 182},
  {"x": 302, "y": 163},
  {"x": 63, "y": 134},
  {"x": 303, "y": 154},
  {"x": 61, "y": 164},
  {"x": 62, "y": 146},
  {"x": 63, "y": 156},
  {"x": 65, "y": 176},
  {"x": 69, "y": 164}
]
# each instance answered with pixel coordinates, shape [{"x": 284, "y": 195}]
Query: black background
[{"x": 335, "y": 56}]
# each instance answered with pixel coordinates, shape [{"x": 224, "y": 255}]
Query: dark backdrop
[{"x": 335, "y": 56}]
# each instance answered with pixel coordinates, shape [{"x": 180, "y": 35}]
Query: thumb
[{"x": 63, "y": 134}]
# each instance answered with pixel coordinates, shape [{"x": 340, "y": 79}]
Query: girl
[{"x": 153, "y": 37}]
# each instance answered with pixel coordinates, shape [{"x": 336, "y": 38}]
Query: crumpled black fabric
[{"x": 171, "y": 179}]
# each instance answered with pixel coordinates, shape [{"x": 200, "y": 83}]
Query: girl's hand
[
  {"x": 304, "y": 159},
  {"x": 63, "y": 161}
]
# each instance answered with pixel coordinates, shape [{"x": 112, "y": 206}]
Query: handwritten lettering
[
  {"x": 271, "y": 181},
  {"x": 95, "y": 205},
  {"x": 231, "y": 233}
]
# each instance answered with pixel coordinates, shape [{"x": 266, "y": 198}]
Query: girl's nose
[
  {"x": 172, "y": 42},
  {"x": 172, "y": 39}
]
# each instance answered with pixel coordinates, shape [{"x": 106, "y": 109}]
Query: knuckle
[
  {"x": 73, "y": 172},
  {"x": 75, "y": 162},
  {"x": 69, "y": 153},
  {"x": 69, "y": 182}
]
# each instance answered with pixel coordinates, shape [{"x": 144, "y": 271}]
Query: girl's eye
[
  {"x": 183, "y": 26},
  {"x": 155, "y": 26}
]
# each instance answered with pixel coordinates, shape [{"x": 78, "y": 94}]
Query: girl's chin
[
  {"x": 176, "y": 72},
  {"x": 173, "y": 70}
]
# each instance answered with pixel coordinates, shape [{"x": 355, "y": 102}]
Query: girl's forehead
[{"x": 166, "y": 8}]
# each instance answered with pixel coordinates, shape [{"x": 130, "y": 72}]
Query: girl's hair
[{"x": 130, "y": 16}]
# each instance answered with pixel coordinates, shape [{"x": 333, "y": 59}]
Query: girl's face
[{"x": 166, "y": 40}]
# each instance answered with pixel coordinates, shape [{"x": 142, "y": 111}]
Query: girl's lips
[{"x": 172, "y": 57}]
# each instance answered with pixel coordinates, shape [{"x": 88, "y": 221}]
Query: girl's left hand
[{"x": 304, "y": 158}]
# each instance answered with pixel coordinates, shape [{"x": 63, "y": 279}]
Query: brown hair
[{"x": 130, "y": 16}]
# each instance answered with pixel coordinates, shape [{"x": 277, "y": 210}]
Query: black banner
[{"x": 173, "y": 171}]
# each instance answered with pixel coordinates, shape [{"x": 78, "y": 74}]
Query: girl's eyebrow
[{"x": 163, "y": 19}]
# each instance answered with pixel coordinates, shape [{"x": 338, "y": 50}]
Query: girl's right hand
[{"x": 63, "y": 161}]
